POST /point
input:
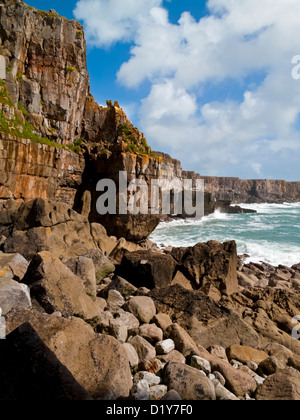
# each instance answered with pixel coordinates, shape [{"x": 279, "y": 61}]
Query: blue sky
[{"x": 208, "y": 81}]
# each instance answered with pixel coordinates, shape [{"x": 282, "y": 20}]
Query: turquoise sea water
[{"x": 272, "y": 235}]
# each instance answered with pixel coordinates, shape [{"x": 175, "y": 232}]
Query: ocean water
[{"x": 272, "y": 235}]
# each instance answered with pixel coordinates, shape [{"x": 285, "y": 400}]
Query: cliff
[{"x": 236, "y": 190}]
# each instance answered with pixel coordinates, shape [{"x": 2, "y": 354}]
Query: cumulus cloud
[
  {"x": 111, "y": 21},
  {"x": 248, "y": 44}
]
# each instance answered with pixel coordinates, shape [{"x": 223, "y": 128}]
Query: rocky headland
[{"x": 90, "y": 308}]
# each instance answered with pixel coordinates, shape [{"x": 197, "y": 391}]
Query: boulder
[
  {"x": 43, "y": 225},
  {"x": 206, "y": 321},
  {"x": 13, "y": 294},
  {"x": 165, "y": 347},
  {"x": 182, "y": 340},
  {"x": 282, "y": 386},
  {"x": 211, "y": 267},
  {"x": 151, "y": 333},
  {"x": 145, "y": 351},
  {"x": 56, "y": 288},
  {"x": 157, "y": 392},
  {"x": 246, "y": 354},
  {"x": 270, "y": 366},
  {"x": 147, "y": 268},
  {"x": 237, "y": 381},
  {"x": 84, "y": 269},
  {"x": 103, "y": 266},
  {"x": 121, "y": 285},
  {"x": 172, "y": 395},
  {"x": 29, "y": 370},
  {"x": 99, "y": 363},
  {"x": 147, "y": 376},
  {"x": 13, "y": 266},
  {"x": 188, "y": 382},
  {"x": 142, "y": 307},
  {"x": 163, "y": 321},
  {"x": 132, "y": 355},
  {"x": 174, "y": 356},
  {"x": 115, "y": 300},
  {"x": 201, "y": 364},
  {"x": 141, "y": 391}
]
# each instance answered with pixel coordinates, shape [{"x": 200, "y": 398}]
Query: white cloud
[
  {"x": 238, "y": 39},
  {"x": 110, "y": 21}
]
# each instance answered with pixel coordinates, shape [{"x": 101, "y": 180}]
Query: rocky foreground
[{"x": 88, "y": 316}]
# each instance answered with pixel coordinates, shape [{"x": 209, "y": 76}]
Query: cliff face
[
  {"x": 29, "y": 170},
  {"x": 46, "y": 69},
  {"x": 236, "y": 190}
]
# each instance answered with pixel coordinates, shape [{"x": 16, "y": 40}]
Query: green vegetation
[
  {"x": 71, "y": 69},
  {"x": 104, "y": 152},
  {"x": 125, "y": 129},
  {"x": 79, "y": 34},
  {"x": 9, "y": 68},
  {"x": 22, "y": 128},
  {"x": 79, "y": 142},
  {"x": 24, "y": 111},
  {"x": 19, "y": 76}
]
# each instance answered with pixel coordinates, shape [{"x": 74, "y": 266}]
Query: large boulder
[
  {"x": 56, "y": 288},
  {"x": 282, "y": 386},
  {"x": 29, "y": 370},
  {"x": 211, "y": 267},
  {"x": 237, "y": 381},
  {"x": 43, "y": 225},
  {"x": 148, "y": 269},
  {"x": 190, "y": 383},
  {"x": 98, "y": 362},
  {"x": 246, "y": 354},
  {"x": 207, "y": 322},
  {"x": 142, "y": 307}
]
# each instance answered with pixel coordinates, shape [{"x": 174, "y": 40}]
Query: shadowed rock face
[{"x": 47, "y": 377}]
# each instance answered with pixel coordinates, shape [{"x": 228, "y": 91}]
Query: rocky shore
[
  {"x": 90, "y": 308},
  {"x": 88, "y": 316}
]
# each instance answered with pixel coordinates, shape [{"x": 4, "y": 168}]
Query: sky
[{"x": 214, "y": 83}]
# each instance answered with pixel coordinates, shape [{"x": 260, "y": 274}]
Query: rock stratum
[{"x": 91, "y": 309}]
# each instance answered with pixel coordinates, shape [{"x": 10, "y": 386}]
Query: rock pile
[{"x": 76, "y": 329}]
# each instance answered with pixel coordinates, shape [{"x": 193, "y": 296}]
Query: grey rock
[
  {"x": 165, "y": 347},
  {"x": 201, "y": 364},
  {"x": 147, "y": 376},
  {"x": 13, "y": 266},
  {"x": 172, "y": 395},
  {"x": 141, "y": 391},
  {"x": 157, "y": 392},
  {"x": 13, "y": 294}
]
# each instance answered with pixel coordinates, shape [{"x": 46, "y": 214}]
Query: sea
[{"x": 272, "y": 235}]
